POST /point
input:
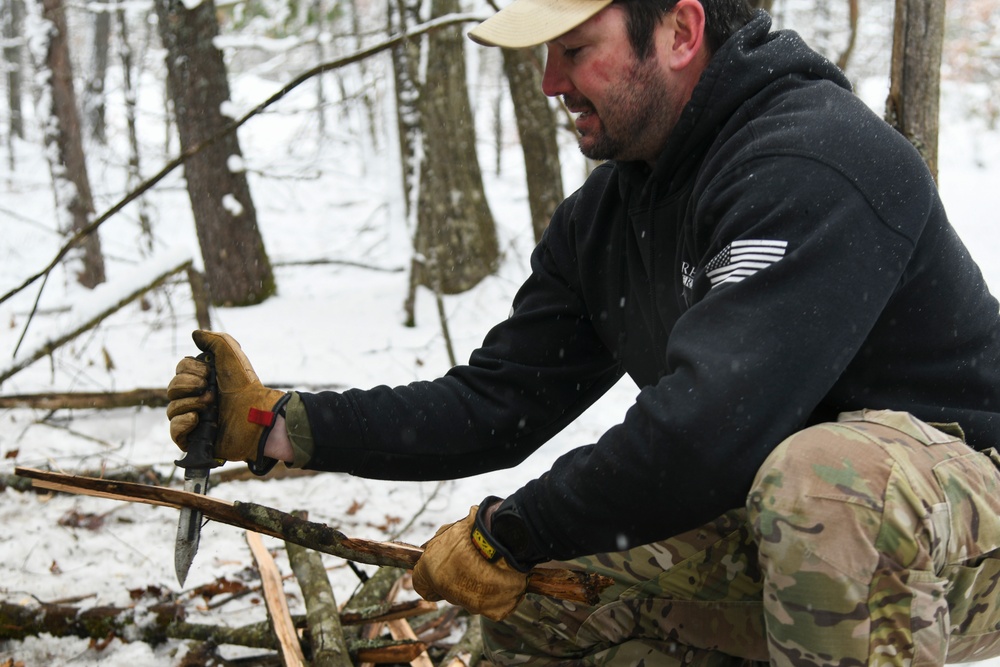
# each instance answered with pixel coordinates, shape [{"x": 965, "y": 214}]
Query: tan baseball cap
[{"x": 525, "y": 23}]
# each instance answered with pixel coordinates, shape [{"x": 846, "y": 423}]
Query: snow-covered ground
[{"x": 332, "y": 325}]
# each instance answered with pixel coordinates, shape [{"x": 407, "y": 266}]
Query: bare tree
[
  {"x": 93, "y": 97},
  {"x": 69, "y": 172},
  {"x": 914, "y": 90},
  {"x": 536, "y": 125},
  {"x": 853, "y": 15},
  {"x": 456, "y": 239},
  {"x": 238, "y": 271}
]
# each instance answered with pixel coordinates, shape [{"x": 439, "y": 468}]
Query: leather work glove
[
  {"x": 247, "y": 409},
  {"x": 464, "y": 565}
]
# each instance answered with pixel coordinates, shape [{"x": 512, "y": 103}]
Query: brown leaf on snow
[
  {"x": 87, "y": 520},
  {"x": 152, "y": 591},
  {"x": 354, "y": 508},
  {"x": 218, "y": 587},
  {"x": 12, "y": 454},
  {"x": 54, "y": 568},
  {"x": 101, "y": 644},
  {"x": 390, "y": 521}
]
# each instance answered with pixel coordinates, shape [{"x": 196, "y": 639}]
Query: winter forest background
[{"x": 366, "y": 227}]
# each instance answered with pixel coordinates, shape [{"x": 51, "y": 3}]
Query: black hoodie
[{"x": 788, "y": 258}]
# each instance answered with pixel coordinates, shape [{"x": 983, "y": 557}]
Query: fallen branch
[
  {"x": 82, "y": 400},
  {"x": 568, "y": 585},
  {"x": 149, "y": 397},
  {"x": 148, "y": 624},
  {"x": 156, "y": 624},
  {"x": 148, "y": 475}
]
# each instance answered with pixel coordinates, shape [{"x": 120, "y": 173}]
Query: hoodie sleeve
[{"x": 534, "y": 373}]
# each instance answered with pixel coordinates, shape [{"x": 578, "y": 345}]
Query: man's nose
[{"x": 554, "y": 79}]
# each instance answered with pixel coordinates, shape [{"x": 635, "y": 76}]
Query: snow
[{"x": 331, "y": 325}]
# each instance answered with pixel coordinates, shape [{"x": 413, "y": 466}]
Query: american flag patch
[{"x": 742, "y": 259}]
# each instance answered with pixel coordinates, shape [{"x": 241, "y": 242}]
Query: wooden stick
[
  {"x": 277, "y": 605},
  {"x": 570, "y": 585},
  {"x": 400, "y": 629}
]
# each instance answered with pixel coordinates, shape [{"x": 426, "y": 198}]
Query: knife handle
[{"x": 201, "y": 442}]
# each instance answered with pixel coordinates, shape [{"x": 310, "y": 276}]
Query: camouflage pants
[{"x": 873, "y": 540}]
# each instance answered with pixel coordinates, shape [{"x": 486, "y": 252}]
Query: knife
[{"x": 197, "y": 462}]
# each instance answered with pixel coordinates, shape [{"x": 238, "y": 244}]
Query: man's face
[{"x": 626, "y": 108}]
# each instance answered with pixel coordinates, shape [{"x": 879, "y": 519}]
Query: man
[{"x": 807, "y": 473}]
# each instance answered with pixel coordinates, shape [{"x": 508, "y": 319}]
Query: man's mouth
[
  {"x": 583, "y": 110},
  {"x": 578, "y": 106}
]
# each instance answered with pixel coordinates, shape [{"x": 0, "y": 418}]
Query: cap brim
[{"x": 525, "y": 23}]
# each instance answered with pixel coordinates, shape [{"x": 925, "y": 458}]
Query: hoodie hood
[{"x": 744, "y": 65}]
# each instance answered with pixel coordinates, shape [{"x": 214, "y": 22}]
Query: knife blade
[{"x": 197, "y": 462}]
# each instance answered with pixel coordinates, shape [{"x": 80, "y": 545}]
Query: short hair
[{"x": 722, "y": 19}]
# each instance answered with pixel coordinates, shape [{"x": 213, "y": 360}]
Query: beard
[{"x": 637, "y": 117}]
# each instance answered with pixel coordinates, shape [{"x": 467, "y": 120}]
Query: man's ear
[{"x": 687, "y": 19}]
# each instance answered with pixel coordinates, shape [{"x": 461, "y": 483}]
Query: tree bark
[
  {"x": 238, "y": 271},
  {"x": 69, "y": 173},
  {"x": 915, "y": 86},
  {"x": 536, "y": 125},
  {"x": 326, "y": 637},
  {"x": 454, "y": 222},
  {"x": 468, "y": 651}
]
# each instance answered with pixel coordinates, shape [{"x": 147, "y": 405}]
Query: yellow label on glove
[{"x": 485, "y": 548}]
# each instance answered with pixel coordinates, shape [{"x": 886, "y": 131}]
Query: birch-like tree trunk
[
  {"x": 237, "y": 269},
  {"x": 13, "y": 37},
  {"x": 915, "y": 87},
  {"x": 130, "y": 92},
  {"x": 402, "y": 15}
]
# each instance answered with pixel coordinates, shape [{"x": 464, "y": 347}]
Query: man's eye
[{"x": 571, "y": 53}]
